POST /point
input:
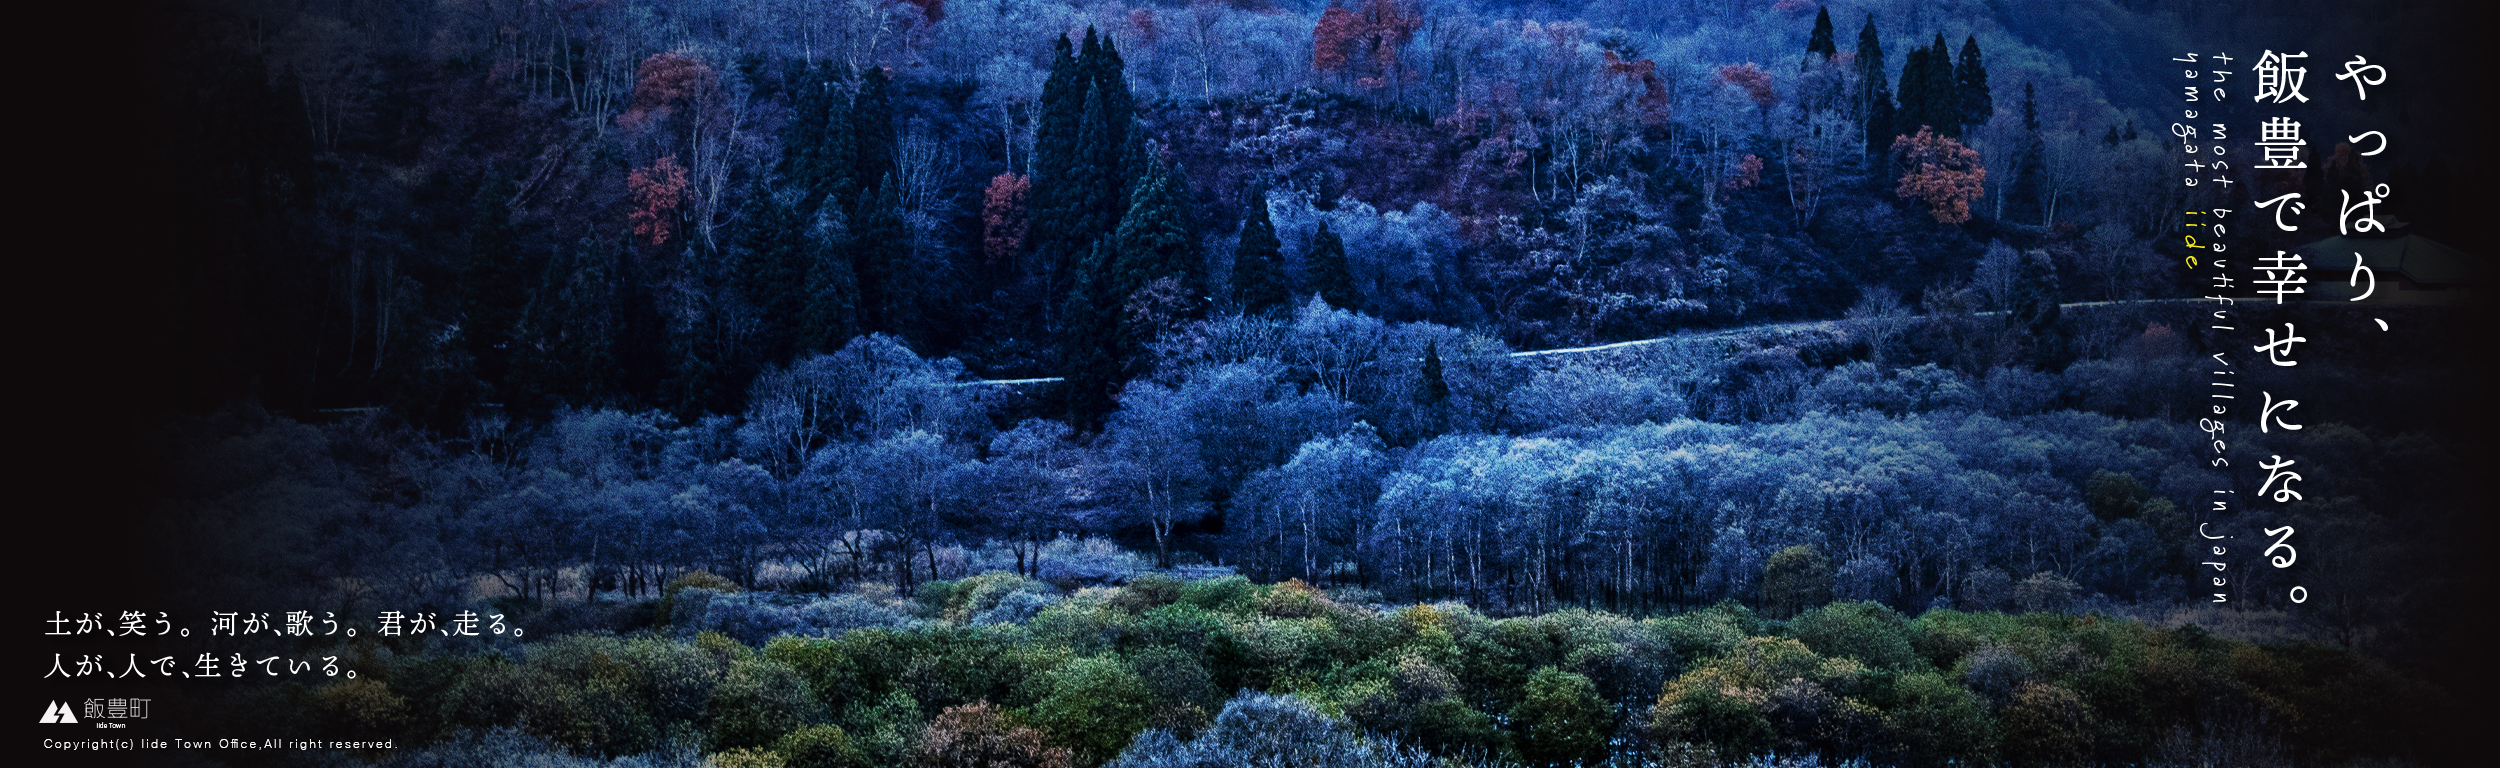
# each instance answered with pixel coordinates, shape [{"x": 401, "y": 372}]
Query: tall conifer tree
[
  {"x": 1093, "y": 208},
  {"x": 1944, "y": 96},
  {"x": 804, "y": 134},
  {"x": 872, "y": 126},
  {"x": 1054, "y": 134},
  {"x": 1913, "y": 94},
  {"x": 1874, "y": 99},
  {"x": 1155, "y": 240},
  {"x": 1330, "y": 276},
  {"x": 494, "y": 289},
  {"x": 831, "y": 315},
  {"x": 1821, "y": 42},
  {"x": 2029, "y": 163},
  {"x": 888, "y": 282},
  {"x": 1156, "y": 243},
  {"x": 1119, "y": 107},
  {"x": 818, "y": 153},
  {"x": 772, "y": 255},
  {"x": 1436, "y": 387},
  {"x": 1093, "y": 201},
  {"x": 1054, "y": 150},
  {"x": 1258, "y": 264},
  {"x": 1970, "y": 76},
  {"x": 1091, "y": 323}
]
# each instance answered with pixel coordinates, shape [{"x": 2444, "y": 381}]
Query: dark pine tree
[
  {"x": 1436, "y": 388},
  {"x": 1055, "y": 148},
  {"x": 1330, "y": 276},
  {"x": 1094, "y": 204},
  {"x": 818, "y": 151},
  {"x": 831, "y": 315},
  {"x": 1129, "y": 167},
  {"x": 1944, "y": 96},
  {"x": 1875, "y": 101},
  {"x": 1156, "y": 242},
  {"x": 565, "y": 347},
  {"x": 1929, "y": 97},
  {"x": 1091, "y": 328},
  {"x": 1063, "y": 92},
  {"x": 2036, "y": 311},
  {"x": 889, "y": 300},
  {"x": 872, "y": 129},
  {"x": 1869, "y": 66},
  {"x": 1970, "y": 76},
  {"x": 494, "y": 287},
  {"x": 1881, "y": 122},
  {"x": 1258, "y": 264},
  {"x": 1087, "y": 224},
  {"x": 1119, "y": 108},
  {"x": 1154, "y": 238},
  {"x": 2031, "y": 111},
  {"x": 772, "y": 260},
  {"x": 804, "y": 133},
  {"x": 1821, "y": 42},
  {"x": 1079, "y": 191},
  {"x": 1913, "y": 94},
  {"x": 2030, "y": 162}
]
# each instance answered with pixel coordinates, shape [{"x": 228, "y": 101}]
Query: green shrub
[
  {"x": 1231, "y": 594},
  {"x": 757, "y": 702},
  {"x": 1561, "y": 721},
  {"x": 1868, "y": 632},
  {"x": 1095, "y": 706},
  {"x": 694, "y": 579},
  {"x": 819, "y": 746}
]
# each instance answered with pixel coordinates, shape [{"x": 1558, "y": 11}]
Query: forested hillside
[{"x": 436, "y": 207}]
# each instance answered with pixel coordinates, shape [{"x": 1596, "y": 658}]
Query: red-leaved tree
[
  {"x": 1336, "y": 32},
  {"x": 1940, "y": 172},
  {"x": 1750, "y": 77},
  {"x": 1641, "y": 74},
  {"x": 657, "y": 192},
  {"x": 1002, "y": 216},
  {"x": 1367, "y": 45},
  {"x": 664, "y": 81},
  {"x": 1748, "y": 172}
]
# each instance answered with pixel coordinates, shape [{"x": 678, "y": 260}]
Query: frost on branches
[{"x": 1941, "y": 172}]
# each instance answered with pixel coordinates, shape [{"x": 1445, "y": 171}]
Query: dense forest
[
  {"x": 525, "y": 205},
  {"x": 1006, "y": 382}
]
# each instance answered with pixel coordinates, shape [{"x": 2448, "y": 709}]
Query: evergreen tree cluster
[
  {"x": 1112, "y": 217},
  {"x": 1936, "y": 92}
]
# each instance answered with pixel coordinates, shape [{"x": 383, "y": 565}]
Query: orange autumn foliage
[
  {"x": 1372, "y": 40},
  {"x": 1941, "y": 173},
  {"x": 1642, "y": 73},
  {"x": 1748, "y": 173},
  {"x": 657, "y": 191},
  {"x": 1750, "y": 77},
  {"x": 664, "y": 80},
  {"x": 1003, "y": 221},
  {"x": 1337, "y": 29}
]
